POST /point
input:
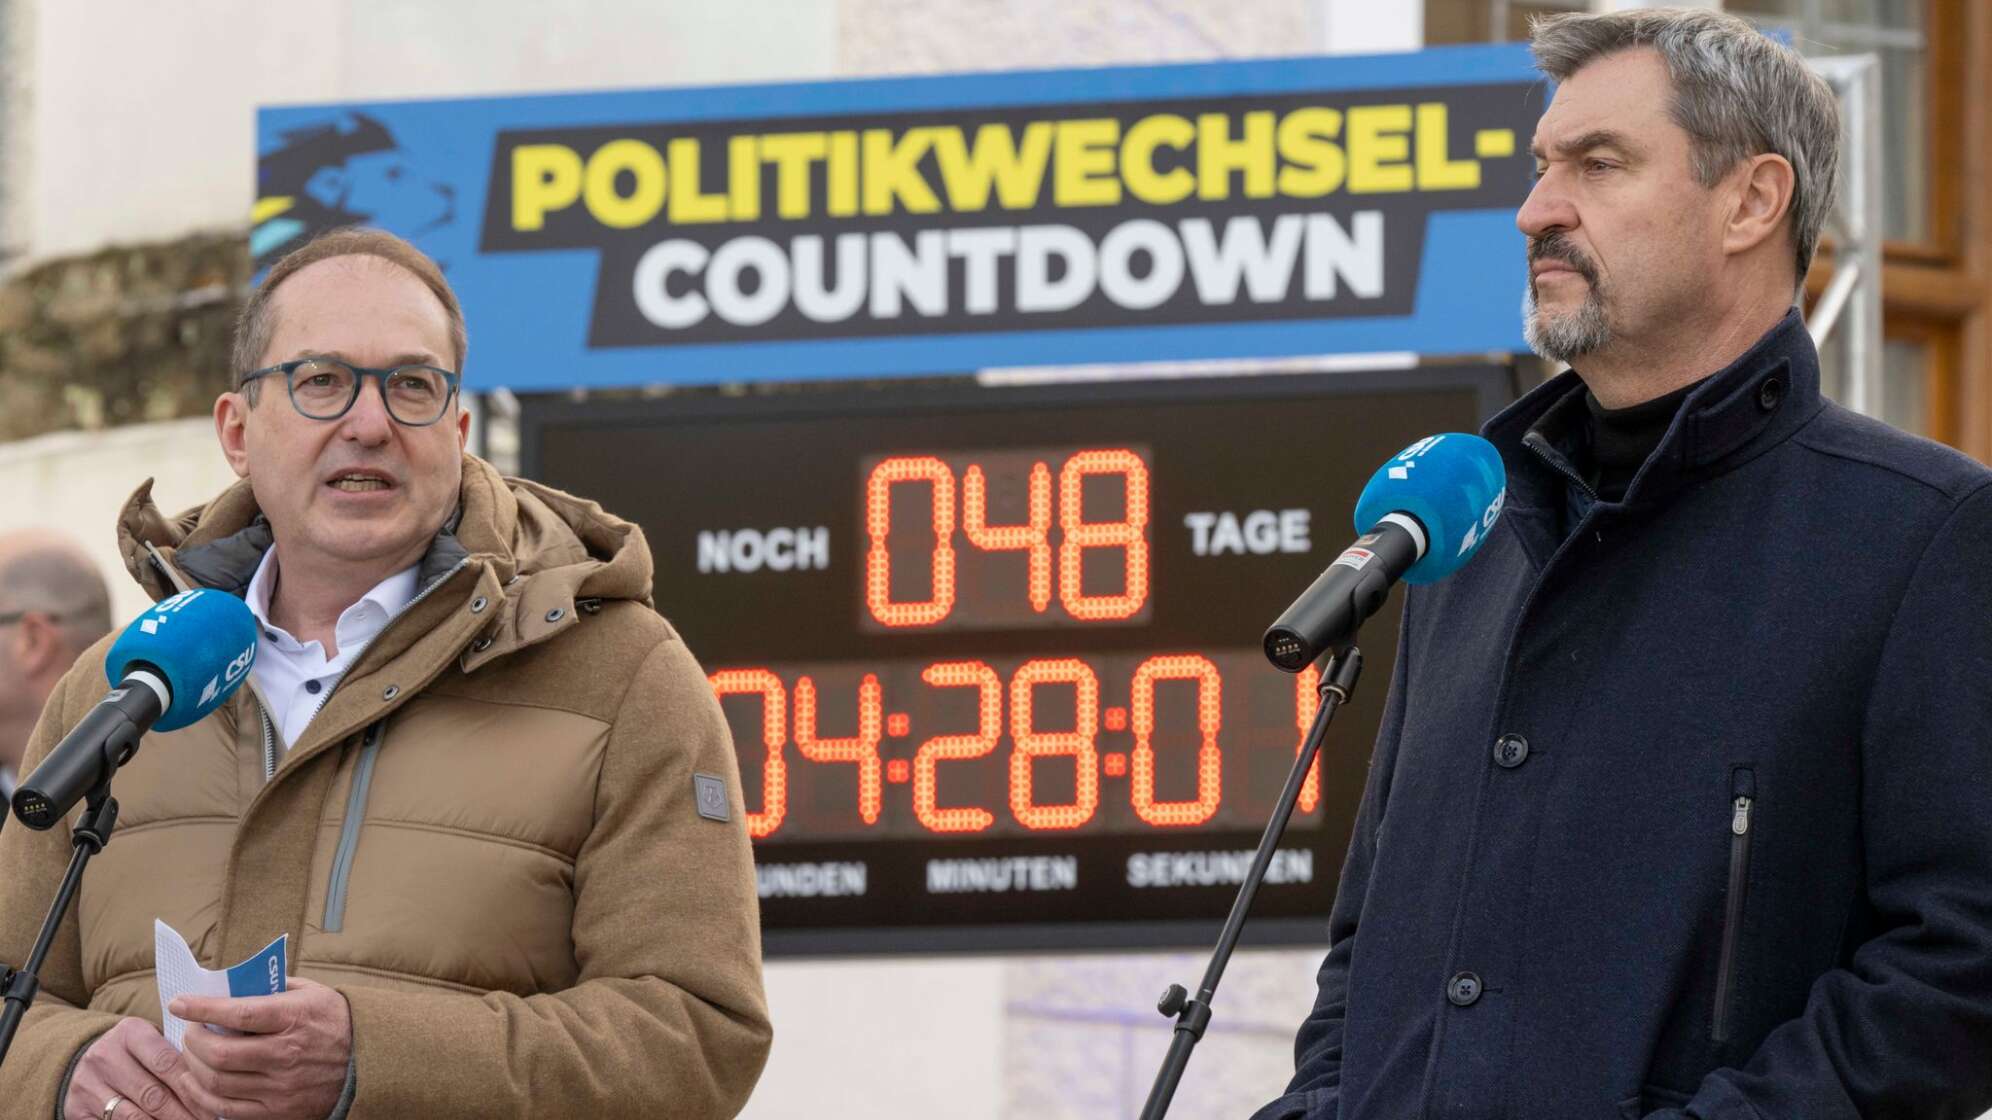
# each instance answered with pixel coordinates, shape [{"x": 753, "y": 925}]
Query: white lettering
[
  {"x": 1147, "y": 870},
  {"x": 1199, "y": 525},
  {"x": 1165, "y": 264},
  {"x": 1262, "y": 531},
  {"x": 750, "y": 550},
  {"x": 814, "y": 296},
  {"x": 771, "y": 292},
  {"x": 1036, "y": 246},
  {"x": 1357, "y": 259},
  {"x": 811, "y": 880},
  {"x": 996, "y": 876},
  {"x": 653, "y": 271},
  {"x": 901, "y": 275},
  {"x": 980, "y": 250},
  {"x": 1294, "y": 525},
  {"x": 1264, "y": 266}
]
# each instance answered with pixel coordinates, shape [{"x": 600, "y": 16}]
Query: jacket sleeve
[
  {"x": 669, "y": 1017},
  {"x": 1905, "y": 1027},
  {"x": 31, "y": 868},
  {"x": 1315, "y": 1090}
]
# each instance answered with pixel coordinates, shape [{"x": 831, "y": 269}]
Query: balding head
[
  {"x": 53, "y": 605},
  {"x": 47, "y": 572}
]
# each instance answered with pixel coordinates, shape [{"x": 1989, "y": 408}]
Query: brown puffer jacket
[{"x": 487, "y": 838}]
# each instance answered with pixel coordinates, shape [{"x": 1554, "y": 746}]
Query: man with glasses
[
  {"x": 476, "y": 780},
  {"x": 53, "y": 604}
]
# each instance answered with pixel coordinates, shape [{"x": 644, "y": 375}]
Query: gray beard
[{"x": 1568, "y": 336}]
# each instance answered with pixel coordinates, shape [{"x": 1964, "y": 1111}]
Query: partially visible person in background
[{"x": 53, "y": 605}]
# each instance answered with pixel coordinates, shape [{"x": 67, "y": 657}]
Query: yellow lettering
[
  {"x": 544, "y": 177},
  {"x": 1437, "y": 171},
  {"x": 1138, "y": 159},
  {"x": 1218, "y": 155},
  {"x": 646, "y": 196},
  {"x": 1314, "y": 161},
  {"x": 842, "y": 173},
  {"x": 1085, "y": 171},
  {"x": 997, "y": 162},
  {"x": 792, "y": 153},
  {"x": 892, "y": 171},
  {"x": 689, "y": 203},
  {"x": 743, "y": 178},
  {"x": 1378, "y": 147}
]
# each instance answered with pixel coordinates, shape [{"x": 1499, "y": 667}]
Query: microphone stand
[
  {"x": 92, "y": 832},
  {"x": 1338, "y": 681}
]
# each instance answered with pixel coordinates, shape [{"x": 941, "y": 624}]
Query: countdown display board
[{"x": 991, "y": 655}]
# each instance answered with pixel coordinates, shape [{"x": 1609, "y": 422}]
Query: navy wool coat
[{"x": 1686, "y": 810}]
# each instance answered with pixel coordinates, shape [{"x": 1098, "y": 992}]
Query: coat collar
[{"x": 1737, "y": 413}]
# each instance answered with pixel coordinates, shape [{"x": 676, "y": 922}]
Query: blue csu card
[
  {"x": 262, "y": 974},
  {"x": 179, "y": 973}
]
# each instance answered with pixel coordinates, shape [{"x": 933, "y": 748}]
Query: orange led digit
[
  {"x": 774, "y": 732},
  {"x": 878, "y": 525},
  {"x": 926, "y": 793},
  {"x": 1032, "y": 743},
  {"x": 1034, "y": 535},
  {"x": 1210, "y": 760},
  {"x": 1129, "y": 533},
  {"x": 1306, "y": 700},
  {"x": 860, "y": 749}
]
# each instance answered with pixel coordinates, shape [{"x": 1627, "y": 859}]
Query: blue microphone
[
  {"x": 179, "y": 661},
  {"x": 1424, "y": 514}
]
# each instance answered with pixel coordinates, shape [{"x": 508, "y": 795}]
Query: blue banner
[{"x": 942, "y": 225}]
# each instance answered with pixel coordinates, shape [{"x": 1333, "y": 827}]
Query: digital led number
[
  {"x": 1038, "y": 738},
  {"x": 1306, "y": 701},
  {"x": 926, "y": 781},
  {"x": 1033, "y": 536},
  {"x": 1210, "y": 758},
  {"x": 1045, "y": 503},
  {"x": 1129, "y": 534},
  {"x": 774, "y": 734},
  {"x": 1030, "y": 743},
  {"x": 861, "y": 750},
  {"x": 878, "y": 525}
]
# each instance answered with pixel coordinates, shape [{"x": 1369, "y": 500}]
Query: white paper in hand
[{"x": 179, "y": 974}]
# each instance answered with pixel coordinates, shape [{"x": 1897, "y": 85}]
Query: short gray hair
[{"x": 1737, "y": 93}]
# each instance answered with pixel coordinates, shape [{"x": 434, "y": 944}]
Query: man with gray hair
[
  {"x": 1682, "y": 802},
  {"x": 53, "y": 605}
]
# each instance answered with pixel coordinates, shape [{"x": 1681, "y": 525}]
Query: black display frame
[{"x": 1491, "y": 386}]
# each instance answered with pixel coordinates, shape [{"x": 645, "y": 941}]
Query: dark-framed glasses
[{"x": 327, "y": 388}]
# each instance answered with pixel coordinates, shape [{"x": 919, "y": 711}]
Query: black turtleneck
[{"x": 1622, "y": 439}]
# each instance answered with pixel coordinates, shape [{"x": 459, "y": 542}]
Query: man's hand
[
  {"x": 133, "y": 1062},
  {"x": 289, "y": 1063}
]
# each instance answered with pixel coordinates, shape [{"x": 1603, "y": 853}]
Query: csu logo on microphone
[
  {"x": 231, "y": 674},
  {"x": 1487, "y": 520}
]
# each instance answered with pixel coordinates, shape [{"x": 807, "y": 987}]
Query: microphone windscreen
[
  {"x": 1453, "y": 484},
  {"x": 202, "y": 642}
]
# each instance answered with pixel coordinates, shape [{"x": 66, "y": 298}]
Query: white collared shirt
[{"x": 295, "y": 677}]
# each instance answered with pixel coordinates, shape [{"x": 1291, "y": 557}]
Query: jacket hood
[{"x": 545, "y": 551}]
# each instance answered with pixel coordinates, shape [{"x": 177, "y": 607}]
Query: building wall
[{"x": 148, "y": 133}]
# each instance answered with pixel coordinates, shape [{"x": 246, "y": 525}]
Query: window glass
[{"x": 1891, "y": 30}]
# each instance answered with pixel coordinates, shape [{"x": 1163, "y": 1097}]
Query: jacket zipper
[
  {"x": 1557, "y": 463},
  {"x": 1742, "y": 798},
  {"x": 349, "y": 832},
  {"x": 269, "y": 730}
]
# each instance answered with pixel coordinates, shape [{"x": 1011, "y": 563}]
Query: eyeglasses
[
  {"x": 327, "y": 388},
  {"x": 11, "y": 617}
]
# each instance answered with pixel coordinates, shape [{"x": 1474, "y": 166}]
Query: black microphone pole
[
  {"x": 92, "y": 831},
  {"x": 1338, "y": 681}
]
